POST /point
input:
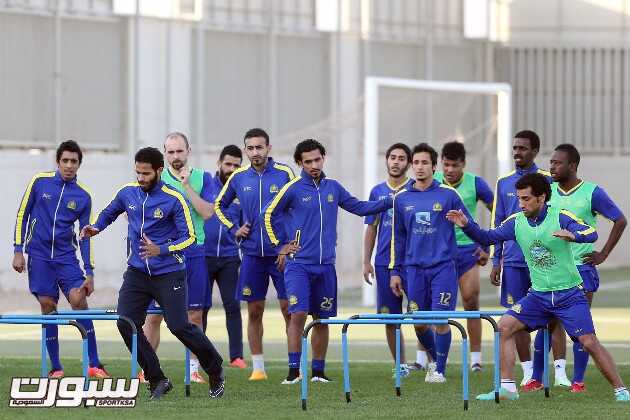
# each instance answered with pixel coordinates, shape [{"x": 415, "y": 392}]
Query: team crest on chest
[
  {"x": 273, "y": 189},
  {"x": 158, "y": 213},
  {"x": 541, "y": 255},
  {"x": 516, "y": 308},
  {"x": 331, "y": 198},
  {"x": 72, "y": 205},
  {"x": 437, "y": 206}
]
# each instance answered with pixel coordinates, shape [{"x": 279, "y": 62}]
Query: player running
[
  {"x": 306, "y": 208},
  {"x": 470, "y": 256},
  {"x": 222, "y": 257},
  {"x": 545, "y": 234},
  {"x": 397, "y": 160},
  {"x": 255, "y": 186},
  {"x": 44, "y": 229},
  {"x": 586, "y": 200},
  {"x": 195, "y": 185},
  {"x": 424, "y": 251},
  {"x": 160, "y": 229},
  {"x": 509, "y": 269}
]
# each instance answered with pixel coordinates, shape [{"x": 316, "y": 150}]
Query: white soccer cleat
[
  {"x": 562, "y": 380},
  {"x": 436, "y": 378},
  {"x": 526, "y": 378},
  {"x": 431, "y": 372}
]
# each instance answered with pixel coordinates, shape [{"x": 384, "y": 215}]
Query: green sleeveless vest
[
  {"x": 549, "y": 259},
  {"x": 196, "y": 183},
  {"x": 468, "y": 191},
  {"x": 577, "y": 202}
]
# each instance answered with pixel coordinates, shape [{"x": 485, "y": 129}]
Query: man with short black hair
[
  {"x": 44, "y": 229},
  {"x": 306, "y": 209},
  {"x": 160, "y": 229},
  {"x": 470, "y": 256},
  {"x": 222, "y": 256}
]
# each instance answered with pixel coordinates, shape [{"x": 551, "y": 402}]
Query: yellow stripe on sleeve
[
  {"x": 286, "y": 169},
  {"x": 91, "y": 221},
  {"x": 268, "y": 227},
  {"x": 22, "y": 209},
  {"x": 191, "y": 230},
  {"x": 217, "y": 208}
]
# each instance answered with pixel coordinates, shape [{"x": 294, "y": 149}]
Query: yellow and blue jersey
[
  {"x": 383, "y": 221},
  {"x": 308, "y": 210},
  {"x": 220, "y": 241},
  {"x": 254, "y": 191},
  {"x": 162, "y": 215},
  {"x": 421, "y": 234},
  {"x": 506, "y": 204},
  {"x": 46, "y": 217}
]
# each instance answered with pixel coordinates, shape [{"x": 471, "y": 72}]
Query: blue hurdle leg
[
  {"x": 397, "y": 364},
  {"x": 546, "y": 361},
  {"x": 187, "y": 371},
  {"x": 497, "y": 365},
  {"x": 134, "y": 355},
  {"x": 346, "y": 366},
  {"x": 465, "y": 372},
  {"x": 85, "y": 359},
  {"x": 303, "y": 371},
  {"x": 44, "y": 362}
]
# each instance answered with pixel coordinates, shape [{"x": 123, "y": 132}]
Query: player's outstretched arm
[
  {"x": 106, "y": 217},
  {"x": 361, "y": 208},
  {"x": 574, "y": 230}
]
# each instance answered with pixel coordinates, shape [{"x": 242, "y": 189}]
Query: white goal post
[{"x": 371, "y": 160}]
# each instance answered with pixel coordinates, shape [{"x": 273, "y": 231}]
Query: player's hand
[
  {"x": 594, "y": 258},
  {"x": 368, "y": 272},
  {"x": 148, "y": 248},
  {"x": 184, "y": 175},
  {"x": 87, "y": 232},
  {"x": 457, "y": 217},
  {"x": 287, "y": 249},
  {"x": 19, "y": 263},
  {"x": 395, "y": 283},
  {"x": 88, "y": 285},
  {"x": 495, "y": 275},
  {"x": 565, "y": 235},
  {"x": 482, "y": 256},
  {"x": 243, "y": 231}
]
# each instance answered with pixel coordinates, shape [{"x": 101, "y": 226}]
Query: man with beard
[
  {"x": 160, "y": 229},
  {"x": 509, "y": 269},
  {"x": 397, "y": 160},
  {"x": 222, "y": 257},
  {"x": 586, "y": 200},
  {"x": 195, "y": 185},
  {"x": 470, "y": 256},
  {"x": 254, "y": 186},
  {"x": 306, "y": 209}
]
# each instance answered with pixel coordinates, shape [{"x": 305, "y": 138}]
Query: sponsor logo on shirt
[
  {"x": 131, "y": 207},
  {"x": 306, "y": 199},
  {"x": 247, "y": 188},
  {"x": 423, "y": 218},
  {"x": 47, "y": 196},
  {"x": 409, "y": 208},
  {"x": 541, "y": 255}
]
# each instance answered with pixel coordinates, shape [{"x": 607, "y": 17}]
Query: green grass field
[{"x": 373, "y": 395}]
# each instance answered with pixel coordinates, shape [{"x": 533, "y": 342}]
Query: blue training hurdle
[
  {"x": 43, "y": 322},
  {"x": 345, "y": 322}
]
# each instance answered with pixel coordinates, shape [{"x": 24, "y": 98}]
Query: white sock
[
  {"x": 258, "y": 362},
  {"x": 475, "y": 357},
  {"x": 508, "y": 384},
  {"x": 194, "y": 365},
  {"x": 528, "y": 368},
  {"x": 619, "y": 390},
  {"x": 560, "y": 366},
  {"x": 421, "y": 357}
]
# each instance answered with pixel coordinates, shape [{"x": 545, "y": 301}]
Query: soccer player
[
  {"x": 195, "y": 185},
  {"x": 586, "y": 200},
  {"x": 423, "y": 245},
  {"x": 306, "y": 208},
  {"x": 44, "y": 229},
  {"x": 545, "y": 235},
  {"x": 470, "y": 256},
  {"x": 160, "y": 229},
  {"x": 397, "y": 160},
  {"x": 222, "y": 257},
  {"x": 509, "y": 269},
  {"x": 255, "y": 186}
]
